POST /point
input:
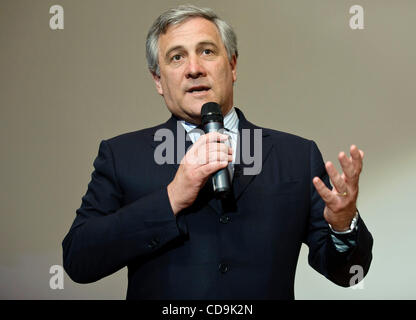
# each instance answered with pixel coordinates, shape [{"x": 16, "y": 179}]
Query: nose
[{"x": 194, "y": 68}]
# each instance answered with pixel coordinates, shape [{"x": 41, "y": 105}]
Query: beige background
[{"x": 301, "y": 69}]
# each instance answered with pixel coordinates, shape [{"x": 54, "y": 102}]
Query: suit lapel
[{"x": 242, "y": 180}]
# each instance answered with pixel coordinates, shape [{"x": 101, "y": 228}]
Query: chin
[{"x": 196, "y": 108}]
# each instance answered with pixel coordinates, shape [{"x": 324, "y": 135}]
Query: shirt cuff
[{"x": 345, "y": 240}]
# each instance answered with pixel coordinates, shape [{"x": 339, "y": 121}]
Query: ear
[
  {"x": 233, "y": 64},
  {"x": 156, "y": 79}
]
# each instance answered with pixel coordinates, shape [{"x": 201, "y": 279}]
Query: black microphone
[{"x": 213, "y": 120}]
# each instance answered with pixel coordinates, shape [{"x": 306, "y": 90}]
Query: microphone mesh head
[
  {"x": 210, "y": 108},
  {"x": 211, "y": 112}
]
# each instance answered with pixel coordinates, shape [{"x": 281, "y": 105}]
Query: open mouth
[{"x": 198, "y": 89}]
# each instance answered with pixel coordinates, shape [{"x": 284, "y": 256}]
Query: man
[{"x": 164, "y": 222}]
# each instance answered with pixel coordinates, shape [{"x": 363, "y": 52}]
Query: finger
[
  {"x": 204, "y": 139},
  {"x": 218, "y": 147},
  {"x": 336, "y": 179},
  {"x": 211, "y": 152},
  {"x": 210, "y": 137},
  {"x": 212, "y": 167},
  {"x": 347, "y": 166},
  {"x": 323, "y": 191},
  {"x": 204, "y": 145},
  {"x": 357, "y": 160},
  {"x": 219, "y": 156}
]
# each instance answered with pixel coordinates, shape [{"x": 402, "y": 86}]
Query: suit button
[
  {"x": 225, "y": 219},
  {"x": 153, "y": 244},
  {"x": 223, "y": 267}
]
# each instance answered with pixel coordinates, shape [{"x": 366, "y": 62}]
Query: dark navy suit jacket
[{"x": 242, "y": 247}]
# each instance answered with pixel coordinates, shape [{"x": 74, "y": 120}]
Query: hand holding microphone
[{"x": 208, "y": 155}]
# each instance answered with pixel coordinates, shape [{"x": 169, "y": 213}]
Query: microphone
[{"x": 213, "y": 120}]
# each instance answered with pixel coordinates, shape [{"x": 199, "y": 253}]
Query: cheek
[
  {"x": 223, "y": 73},
  {"x": 171, "y": 86},
  {"x": 224, "y": 81}
]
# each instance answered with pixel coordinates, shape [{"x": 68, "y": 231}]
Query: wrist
[
  {"x": 171, "y": 196},
  {"x": 349, "y": 229},
  {"x": 339, "y": 229}
]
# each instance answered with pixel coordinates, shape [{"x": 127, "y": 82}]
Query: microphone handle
[{"x": 221, "y": 179}]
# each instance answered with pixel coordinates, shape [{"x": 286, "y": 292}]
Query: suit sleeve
[
  {"x": 105, "y": 236},
  {"x": 323, "y": 254}
]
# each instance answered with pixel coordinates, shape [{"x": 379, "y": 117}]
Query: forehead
[{"x": 188, "y": 33}]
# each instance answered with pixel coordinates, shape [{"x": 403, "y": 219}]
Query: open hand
[{"x": 341, "y": 201}]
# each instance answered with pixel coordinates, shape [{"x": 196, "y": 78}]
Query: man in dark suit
[{"x": 164, "y": 222}]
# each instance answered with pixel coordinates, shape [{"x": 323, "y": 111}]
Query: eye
[
  {"x": 207, "y": 51},
  {"x": 176, "y": 57}
]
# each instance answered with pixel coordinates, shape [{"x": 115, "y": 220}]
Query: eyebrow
[
  {"x": 179, "y": 47},
  {"x": 172, "y": 49}
]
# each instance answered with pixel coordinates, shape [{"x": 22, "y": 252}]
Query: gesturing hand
[
  {"x": 340, "y": 203},
  {"x": 206, "y": 156}
]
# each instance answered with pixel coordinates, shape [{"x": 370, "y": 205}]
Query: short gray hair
[{"x": 177, "y": 16}]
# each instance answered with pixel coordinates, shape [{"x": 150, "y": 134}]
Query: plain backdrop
[{"x": 301, "y": 69}]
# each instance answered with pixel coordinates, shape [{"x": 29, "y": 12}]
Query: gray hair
[{"x": 177, "y": 16}]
